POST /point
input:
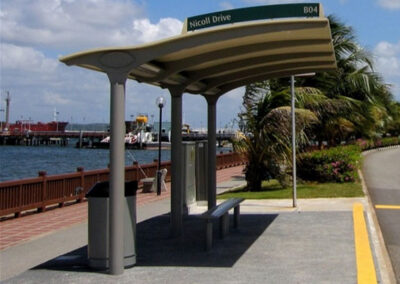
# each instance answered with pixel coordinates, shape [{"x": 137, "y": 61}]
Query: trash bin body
[
  {"x": 189, "y": 174},
  {"x": 201, "y": 170},
  {"x": 98, "y": 225}
]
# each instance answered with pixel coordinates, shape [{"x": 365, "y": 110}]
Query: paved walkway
[
  {"x": 313, "y": 243},
  {"x": 18, "y": 230}
]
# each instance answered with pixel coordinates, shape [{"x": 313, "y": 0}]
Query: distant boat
[
  {"x": 131, "y": 138},
  {"x": 24, "y": 126},
  {"x": 140, "y": 134}
]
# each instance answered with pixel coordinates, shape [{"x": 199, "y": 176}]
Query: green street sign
[{"x": 253, "y": 14}]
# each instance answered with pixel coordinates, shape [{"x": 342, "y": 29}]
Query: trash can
[
  {"x": 98, "y": 225},
  {"x": 189, "y": 174},
  {"x": 201, "y": 170}
]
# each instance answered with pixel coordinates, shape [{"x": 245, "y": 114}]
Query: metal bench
[{"x": 221, "y": 212}]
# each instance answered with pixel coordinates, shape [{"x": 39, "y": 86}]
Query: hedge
[
  {"x": 337, "y": 164},
  {"x": 377, "y": 143}
]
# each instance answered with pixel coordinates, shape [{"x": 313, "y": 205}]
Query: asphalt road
[{"x": 382, "y": 175}]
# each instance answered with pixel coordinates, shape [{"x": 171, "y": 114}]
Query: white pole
[
  {"x": 293, "y": 142},
  {"x": 176, "y": 163},
  {"x": 212, "y": 150},
  {"x": 117, "y": 177}
]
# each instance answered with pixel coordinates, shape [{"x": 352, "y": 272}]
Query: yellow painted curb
[
  {"x": 394, "y": 207},
  {"x": 365, "y": 264}
]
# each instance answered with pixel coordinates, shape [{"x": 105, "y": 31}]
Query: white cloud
[
  {"x": 226, "y": 5},
  {"x": 25, "y": 59},
  {"x": 76, "y": 25},
  {"x": 145, "y": 31},
  {"x": 386, "y": 49},
  {"x": 271, "y": 2},
  {"x": 389, "y": 4},
  {"x": 54, "y": 99},
  {"x": 387, "y": 62},
  {"x": 34, "y": 33}
]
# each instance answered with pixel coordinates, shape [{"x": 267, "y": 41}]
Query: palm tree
[
  {"x": 360, "y": 94},
  {"x": 267, "y": 143},
  {"x": 393, "y": 125},
  {"x": 351, "y": 101}
]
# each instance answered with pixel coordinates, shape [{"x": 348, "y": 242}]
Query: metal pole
[
  {"x": 212, "y": 150},
  {"x": 7, "y": 111},
  {"x": 159, "y": 155},
  {"x": 176, "y": 163},
  {"x": 117, "y": 177},
  {"x": 293, "y": 142}
]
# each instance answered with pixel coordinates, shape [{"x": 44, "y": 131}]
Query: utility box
[
  {"x": 98, "y": 225},
  {"x": 189, "y": 180},
  {"x": 201, "y": 170}
]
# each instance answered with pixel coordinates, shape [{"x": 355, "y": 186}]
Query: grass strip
[{"x": 273, "y": 190}]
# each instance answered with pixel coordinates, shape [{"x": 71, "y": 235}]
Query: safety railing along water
[{"x": 47, "y": 190}]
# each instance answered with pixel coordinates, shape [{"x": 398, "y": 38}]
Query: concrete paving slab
[
  {"x": 17, "y": 259},
  {"x": 306, "y": 247},
  {"x": 276, "y": 243},
  {"x": 230, "y": 185},
  {"x": 285, "y": 205}
]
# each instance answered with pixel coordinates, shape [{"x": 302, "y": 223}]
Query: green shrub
[
  {"x": 377, "y": 143},
  {"x": 338, "y": 164}
]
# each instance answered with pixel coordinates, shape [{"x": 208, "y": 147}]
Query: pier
[
  {"x": 36, "y": 138},
  {"x": 86, "y": 138}
]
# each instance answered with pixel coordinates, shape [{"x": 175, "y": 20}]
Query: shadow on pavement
[
  {"x": 156, "y": 248},
  {"x": 240, "y": 177}
]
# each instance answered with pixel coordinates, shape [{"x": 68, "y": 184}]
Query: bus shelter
[{"x": 214, "y": 54}]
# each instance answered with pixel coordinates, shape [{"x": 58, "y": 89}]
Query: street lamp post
[
  {"x": 293, "y": 111},
  {"x": 293, "y": 142},
  {"x": 160, "y": 102}
]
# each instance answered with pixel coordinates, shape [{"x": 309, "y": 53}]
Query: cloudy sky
[{"x": 34, "y": 34}]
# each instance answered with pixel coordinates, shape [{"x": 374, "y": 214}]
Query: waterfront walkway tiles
[
  {"x": 285, "y": 247},
  {"x": 18, "y": 230}
]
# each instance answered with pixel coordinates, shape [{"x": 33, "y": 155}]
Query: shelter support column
[
  {"x": 212, "y": 149},
  {"x": 176, "y": 162},
  {"x": 117, "y": 173},
  {"x": 293, "y": 114}
]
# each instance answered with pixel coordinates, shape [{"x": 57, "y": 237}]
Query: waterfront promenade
[
  {"x": 17, "y": 230},
  {"x": 313, "y": 243}
]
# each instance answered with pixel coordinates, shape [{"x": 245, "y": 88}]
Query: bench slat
[
  {"x": 220, "y": 211},
  {"x": 222, "y": 208}
]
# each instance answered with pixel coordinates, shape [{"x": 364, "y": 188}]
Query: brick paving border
[{"x": 18, "y": 230}]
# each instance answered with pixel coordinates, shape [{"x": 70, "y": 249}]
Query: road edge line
[
  {"x": 366, "y": 272},
  {"x": 386, "y": 206}
]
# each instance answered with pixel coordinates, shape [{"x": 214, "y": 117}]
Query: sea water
[{"x": 17, "y": 162}]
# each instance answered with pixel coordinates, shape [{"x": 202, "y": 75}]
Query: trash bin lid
[{"x": 102, "y": 189}]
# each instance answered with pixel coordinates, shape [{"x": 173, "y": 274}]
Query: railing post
[
  {"x": 61, "y": 204},
  {"x": 155, "y": 161},
  {"x": 43, "y": 175},
  {"x": 223, "y": 160},
  {"x": 18, "y": 214},
  {"x": 136, "y": 167},
  {"x": 82, "y": 191}
]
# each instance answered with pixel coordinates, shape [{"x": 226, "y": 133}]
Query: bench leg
[
  {"x": 236, "y": 216},
  {"x": 224, "y": 225},
  {"x": 209, "y": 234}
]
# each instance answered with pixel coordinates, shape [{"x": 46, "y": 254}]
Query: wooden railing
[{"x": 38, "y": 193}]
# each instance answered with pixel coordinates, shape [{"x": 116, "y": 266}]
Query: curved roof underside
[{"x": 216, "y": 60}]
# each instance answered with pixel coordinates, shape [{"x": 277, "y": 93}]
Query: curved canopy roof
[{"x": 215, "y": 60}]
